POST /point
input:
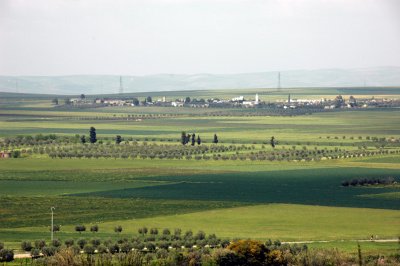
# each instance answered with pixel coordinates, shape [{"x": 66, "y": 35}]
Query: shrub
[
  {"x": 89, "y": 249},
  {"x": 80, "y": 228},
  {"x": 101, "y": 249},
  {"x": 69, "y": 242},
  {"x": 95, "y": 242},
  {"x": 49, "y": 251},
  {"x": 113, "y": 248},
  {"x": 126, "y": 247},
  {"x": 94, "y": 228},
  {"x": 166, "y": 231},
  {"x": 200, "y": 235},
  {"x": 35, "y": 253},
  {"x": 26, "y": 246},
  {"x": 39, "y": 244},
  {"x": 150, "y": 246},
  {"x": 81, "y": 243},
  {"x": 6, "y": 255},
  {"x": 250, "y": 250},
  {"x": 226, "y": 257},
  {"x": 56, "y": 243},
  {"x": 118, "y": 229}
]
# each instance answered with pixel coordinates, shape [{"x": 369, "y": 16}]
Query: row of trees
[
  {"x": 40, "y": 139},
  {"x": 187, "y": 138},
  {"x": 205, "y": 152},
  {"x": 369, "y": 181},
  {"x": 237, "y": 252}
]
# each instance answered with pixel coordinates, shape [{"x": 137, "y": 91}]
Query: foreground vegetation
[{"x": 137, "y": 173}]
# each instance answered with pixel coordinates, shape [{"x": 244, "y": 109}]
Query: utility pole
[
  {"x": 52, "y": 222},
  {"x": 121, "y": 88},
  {"x": 279, "y": 81}
]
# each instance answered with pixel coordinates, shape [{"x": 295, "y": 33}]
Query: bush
[
  {"x": 94, "y": 228},
  {"x": 250, "y": 250},
  {"x": 95, "y": 242},
  {"x": 80, "y": 228},
  {"x": 154, "y": 231},
  {"x": 226, "y": 257},
  {"x": 89, "y": 249},
  {"x": 69, "y": 242},
  {"x": 113, "y": 248},
  {"x": 150, "y": 246},
  {"x": 56, "y": 243},
  {"x": 118, "y": 229},
  {"x": 101, "y": 249},
  {"x": 39, "y": 244},
  {"x": 35, "y": 253},
  {"x": 26, "y": 246},
  {"x": 81, "y": 243},
  {"x": 200, "y": 235},
  {"x": 6, "y": 255},
  {"x": 126, "y": 247},
  {"x": 49, "y": 251}
]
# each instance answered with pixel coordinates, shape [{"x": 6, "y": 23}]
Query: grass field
[{"x": 286, "y": 200}]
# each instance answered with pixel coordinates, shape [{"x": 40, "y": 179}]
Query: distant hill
[{"x": 108, "y": 84}]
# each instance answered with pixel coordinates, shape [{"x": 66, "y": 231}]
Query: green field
[{"x": 290, "y": 200}]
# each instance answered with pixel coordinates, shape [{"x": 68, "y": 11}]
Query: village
[{"x": 339, "y": 102}]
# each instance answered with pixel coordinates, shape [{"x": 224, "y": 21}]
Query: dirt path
[{"x": 342, "y": 240}]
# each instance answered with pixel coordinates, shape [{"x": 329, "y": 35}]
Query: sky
[{"x": 133, "y": 37}]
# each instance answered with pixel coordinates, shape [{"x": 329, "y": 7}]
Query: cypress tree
[
  {"x": 193, "y": 139},
  {"x": 93, "y": 138},
  {"x": 272, "y": 141},
  {"x": 183, "y": 138},
  {"x": 198, "y": 140},
  {"x": 215, "y": 139}
]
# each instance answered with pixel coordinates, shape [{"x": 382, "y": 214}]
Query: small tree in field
[
  {"x": 118, "y": 229},
  {"x": 198, "y": 140},
  {"x": 142, "y": 230},
  {"x": 154, "y": 231},
  {"x": 273, "y": 142},
  {"x": 94, "y": 228},
  {"x": 118, "y": 139},
  {"x": 166, "y": 231},
  {"x": 83, "y": 139},
  {"x": 56, "y": 228},
  {"x": 215, "y": 141},
  {"x": 80, "y": 228}
]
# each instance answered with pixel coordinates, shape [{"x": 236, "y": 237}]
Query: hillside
[{"x": 108, "y": 84}]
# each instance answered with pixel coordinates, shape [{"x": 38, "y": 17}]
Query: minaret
[
  {"x": 256, "y": 101},
  {"x": 288, "y": 100}
]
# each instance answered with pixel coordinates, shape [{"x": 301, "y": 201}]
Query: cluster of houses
[
  {"x": 5, "y": 154},
  {"x": 338, "y": 102},
  {"x": 240, "y": 101}
]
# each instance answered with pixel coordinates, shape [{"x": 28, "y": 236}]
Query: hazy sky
[{"x": 59, "y": 37}]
